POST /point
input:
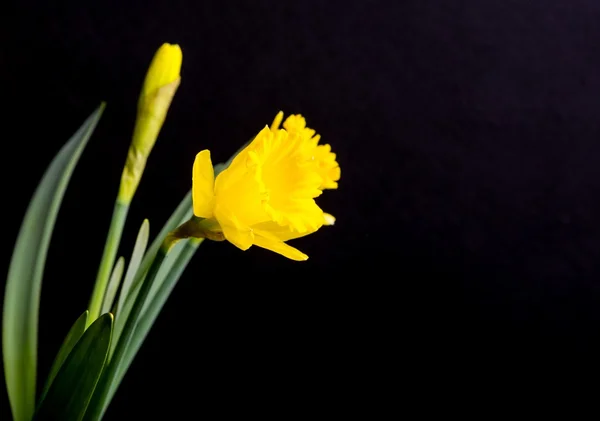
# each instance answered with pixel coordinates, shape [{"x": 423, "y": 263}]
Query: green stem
[
  {"x": 108, "y": 259},
  {"x": 95, "y": 410}
]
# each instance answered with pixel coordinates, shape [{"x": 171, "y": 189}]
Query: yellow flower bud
[{"x": 160, "y": 85}]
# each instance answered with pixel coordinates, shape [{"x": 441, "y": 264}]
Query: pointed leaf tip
[{"x": 24, "y": 282}]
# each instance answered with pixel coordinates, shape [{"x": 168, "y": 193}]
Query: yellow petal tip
[
  {"x": 328, "y": 219},
  {"x": 277, "y": 121},
  {"x": 164, "y": 69}
]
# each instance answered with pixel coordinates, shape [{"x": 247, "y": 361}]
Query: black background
[{"x": 467, "y": 231}]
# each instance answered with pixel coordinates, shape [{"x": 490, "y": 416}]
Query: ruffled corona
[
  {"x": 267, "y": 195},
  {"x": 327, "y": 166}
]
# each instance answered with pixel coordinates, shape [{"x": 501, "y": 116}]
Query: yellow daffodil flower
[{"x": 267, "y": 195}]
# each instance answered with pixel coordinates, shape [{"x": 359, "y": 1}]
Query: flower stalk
[
  {"x": 109, "y": 254},
  {"x": 161, "y": 83}
]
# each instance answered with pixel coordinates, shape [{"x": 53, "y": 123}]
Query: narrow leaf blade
[
  {"x": 167, "y": 281},
  {"x": 71, "y": 339},
  {"x": 139, "y": 248},
  {"x": 23, "y": 286},
  {"x": 164, "y": 271},
  {"x": 74, "y": 384},
  {"x": 122, "y": 310},
  {"x": 113, "y": 285}
]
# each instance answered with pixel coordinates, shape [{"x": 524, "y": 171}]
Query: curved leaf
[
  {"x": 139, "y": 248},
  {"x": 113, "y": 285},
  {"x": 122, "y": 311},
  {"x": 166, "y": 281},
  {"x": 74, "y": 384},
  {"x": 23, "y": 286}
]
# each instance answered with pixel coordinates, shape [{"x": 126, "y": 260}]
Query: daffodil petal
[
  {"x": 203, "y": 181},
  {"x": 294, "y": 123},
  {"x": 239, "y": 188},
  {"x": 234, "y": 231},
  {"x": 277, "y": 121},
  {"x": 240, "y": 238},
  {"x": 328, "y": 168},
  {"x": 275, "y": 231},
  {"x": 329, "y": 219},
  {"x": 280, "y": 247}
]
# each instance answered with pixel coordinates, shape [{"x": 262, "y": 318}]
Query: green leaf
[
  {"x": 24, "y": 282},
  {"x": 113, "y": 285},
  {"x": 72, "y": 337},
  {"x": 74, "y": 384},
  {"x": 122, "y": 311},
  {"x": 166, "y": 279},
  {"x": 139, "y": 248},
  {"x": 170, "y": 260}
]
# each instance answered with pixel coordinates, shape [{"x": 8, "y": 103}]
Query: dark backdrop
[{"x": 467, "y": 230}]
